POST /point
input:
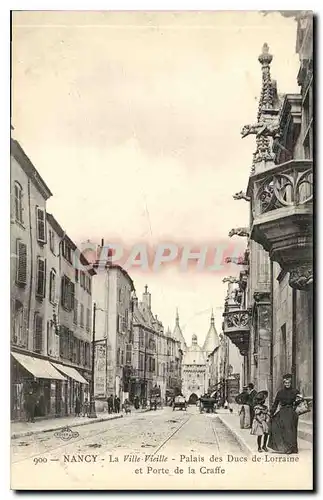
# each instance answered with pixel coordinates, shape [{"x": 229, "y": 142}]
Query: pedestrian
[
  {"x": 110, "y": 404},
  {"x": 244, "y": 412},
  {"x": 252, "y": 394},
  {"x": 86, "y": 408},
  {"x": 284, "y": 418},
  {"x": 136, "y": 402},
  {"x": 77, "y": 406},
  {"x": 260, "y": 423},
  {"x": 30, "y": 406},
  {"x": 117, "y": 404}
]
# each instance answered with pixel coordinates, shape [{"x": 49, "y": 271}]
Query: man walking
[
  {"x": 110, "y": 404},
  {"x": 30, "y": 407}
]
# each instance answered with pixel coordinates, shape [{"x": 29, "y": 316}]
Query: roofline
[
  {"x": 30, "y": 170},
  {"x": 58, "y": 228}
]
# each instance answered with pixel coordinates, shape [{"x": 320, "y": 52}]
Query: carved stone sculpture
[
  {"x": 239, "y": 231},
  {"x": 264, "y": 129},
  {"x": 230, "y": 279},
  {"x": 301, "y": 278},
  {"x": 241, "y": 196}
]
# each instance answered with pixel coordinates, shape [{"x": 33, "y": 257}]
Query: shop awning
[
  {"x": 70, "y": 372},
  {"x": 39, "y": 368}
]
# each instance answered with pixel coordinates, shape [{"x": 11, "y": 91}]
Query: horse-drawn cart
[
  {"x": 180, "y": 403},
  {"x": 155, "y": 400},
  {"x": 207, "y": 405}
]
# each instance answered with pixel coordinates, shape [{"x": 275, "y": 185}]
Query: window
[
  {"x": 90, "y": 285},
  {"x": 18, "y": 203},
  {"x": 40, "y": 224},
  {"x": 129, "y": 354},
  {"x": 82, "y": 279},
  {"x": 120, "y": 295},
  {"x": 75, "y": 311},
  {"x": 18, "y": 323},
  {"x": 38, "y": 333},
  {"x": 88, "y": 313},
  {"x": 141, "y": 338},
  {"x": 141, "y": 361},
  {"x": 67, "y": 293},
  {"x": 82, "y": 316},
  {"x": 81, "y": 352},
  {"x": 118, "y": 356},
  {"x": 67, "y": 251},
  {"x": 52, "y": 241},
  {"x": 21, "y": 275},
  {"x": 41, "y": 277},
  {"x": 52, "y": 286},
  {"x": 122, "y": 358},
  {"x": 78, "y": 351},
  {"x": 308, "y": 124},
  {"x": 126, "y": 319},
  {"x": 76, "y": 275}
]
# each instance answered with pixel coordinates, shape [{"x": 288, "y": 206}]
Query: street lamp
[{"x": 92, "y": 402}]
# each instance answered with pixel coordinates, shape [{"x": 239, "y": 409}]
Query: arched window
[{"x": 18, "y": 202}]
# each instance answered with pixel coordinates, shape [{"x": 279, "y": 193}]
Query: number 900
[{"x": 40, "y": 460}]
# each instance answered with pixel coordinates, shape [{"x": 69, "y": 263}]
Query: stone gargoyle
[
  {"x": 239, "y": 231},
  {"x": 241, "y": 196},
  {"x": 230, "y": 279},
  {"x": 270, "y": 129}
]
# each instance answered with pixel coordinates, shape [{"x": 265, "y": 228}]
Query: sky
[{"x": 133, "y": 120}]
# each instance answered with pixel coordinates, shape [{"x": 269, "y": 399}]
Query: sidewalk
[
  {"x": 246, "y": 440},
  {"x": 24, "y": 429}
]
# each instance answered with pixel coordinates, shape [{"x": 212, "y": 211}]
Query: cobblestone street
[
  {"x": 152, "y": 444},
  {"x": 151, "y": 432}
]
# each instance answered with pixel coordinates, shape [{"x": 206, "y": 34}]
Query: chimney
[{"x": 146, "y": 298}]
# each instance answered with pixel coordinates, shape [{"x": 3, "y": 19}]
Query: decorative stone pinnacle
[{"x": 265, "y": 57}]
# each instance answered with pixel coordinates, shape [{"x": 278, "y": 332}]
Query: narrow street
[
  {"x": 183, "y": 437},
  {"x": 161, "y": 431}
]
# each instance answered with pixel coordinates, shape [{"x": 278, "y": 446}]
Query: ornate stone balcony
[
  {"x": 282, "y": 202},
  {"x": 236, "y": 326}
]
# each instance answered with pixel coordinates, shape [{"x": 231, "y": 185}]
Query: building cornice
[{"x": 25, "y": 163}]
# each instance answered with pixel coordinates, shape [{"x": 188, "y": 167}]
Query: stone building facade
[
  {"x": 37, "y": 363},
  {"x": 113, "y": 292},
  {"x": 157, "y": 354},
  {"x": 201, "y": 365},
  {"x": 270, "y": 318}
]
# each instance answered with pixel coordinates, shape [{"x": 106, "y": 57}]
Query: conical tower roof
[
  {"x": 177, "y": 333},
  {"x": 212, "y": 340}
]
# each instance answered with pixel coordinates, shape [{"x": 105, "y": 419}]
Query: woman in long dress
[
  {"x": 283, "y": 429},
  {"x": 244, "y": 412}
]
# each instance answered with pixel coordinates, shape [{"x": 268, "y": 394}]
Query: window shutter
[
  {"x": 21, "y": 263},
  {"x": 41, "y": 235},
  {"x": 38, "y": 334},
  {"x": 41, "y": 273},
  {"x": 71, "y": 295},
  {"x": 75, "y": 311},
  {"x": 24, "y": 340}
]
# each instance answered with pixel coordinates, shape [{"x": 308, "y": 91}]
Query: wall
[
  {"x": 27, "y": 232},
  {"x": 53, "y": 262}
]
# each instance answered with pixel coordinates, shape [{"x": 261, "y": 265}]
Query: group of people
[
  {"x": 113, "y": 404},
  {"x": 275, "y": 428},
  {"x": 82, "y": 409}
]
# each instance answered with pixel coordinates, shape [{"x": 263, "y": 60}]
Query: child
[{"x": 260, "y": 422}]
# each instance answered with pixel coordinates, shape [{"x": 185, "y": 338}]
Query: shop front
[
  {"x": 37, "y": 379},
  {"x": 75, "y": 386}
]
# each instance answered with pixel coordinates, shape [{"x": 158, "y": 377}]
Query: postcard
[{"x": 161, "y": 250}]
